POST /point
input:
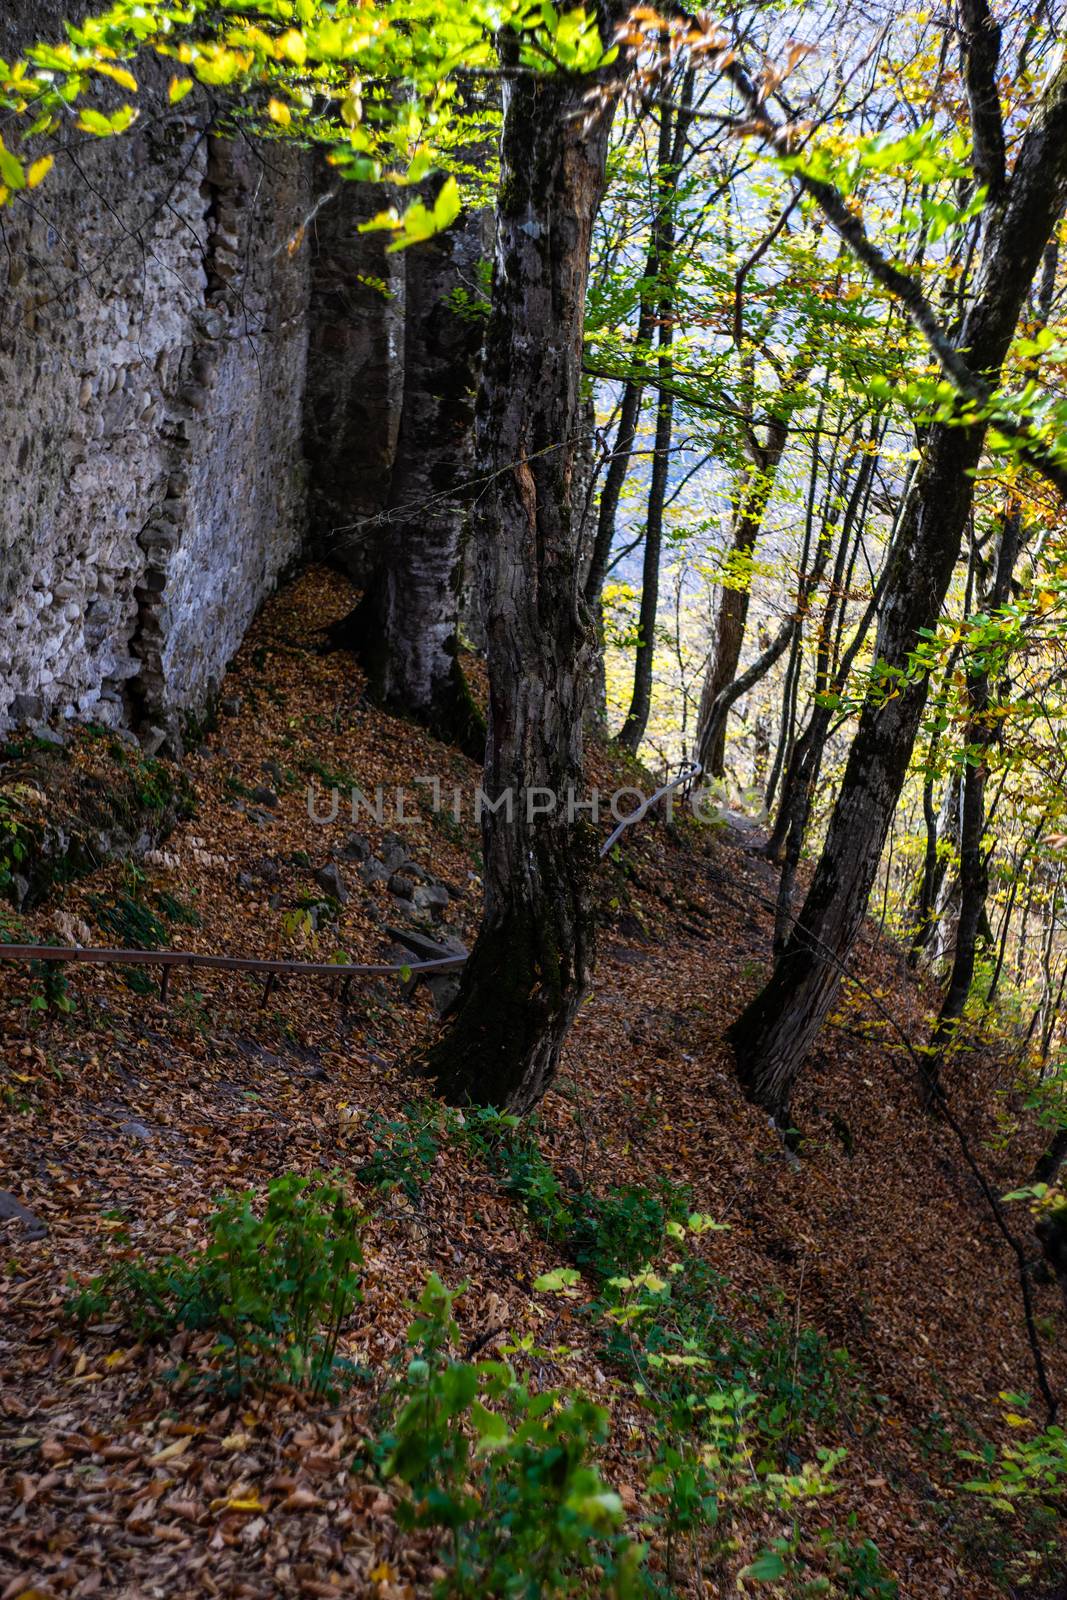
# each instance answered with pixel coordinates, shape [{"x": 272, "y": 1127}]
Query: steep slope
[{"x": 125, "y": 1118}]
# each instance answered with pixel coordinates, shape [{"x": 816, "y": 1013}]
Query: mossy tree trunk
[{"x": 528, "y": 969}]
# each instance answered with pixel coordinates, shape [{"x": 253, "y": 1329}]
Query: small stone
[
  {"x": 245, "y": 881},
  {"x": 46, "y": 735},
  {"x": 402, "y": 886},
  {"x": 432, "y": 897},
  {"x": 374, "y": 871},
  {"x": 264, "y": 796},
  {"x": 32, "y": 1226},
  {"x": 330, "y": 881},
  {"x": 231, "y": 705},
  {"x": 356, "y": 847},
  {"x": 27, "y": 708},
  {"x": 136, "y": 1130},
  {"x": 394, "y": 851}
]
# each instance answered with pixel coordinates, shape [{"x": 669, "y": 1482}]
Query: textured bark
[
  {"x": 774, "y": 1034},
  {"x": 404, "y": 630},
  {"x": 528, "y": 969}
]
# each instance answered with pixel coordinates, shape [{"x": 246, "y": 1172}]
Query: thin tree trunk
[
  {"x": 774, "y": 1034},
  {"x": 791, "y": 821},
  {"x": 669, "y": 159},
  {"x": 734, "y": 601},
  {"x": 981, "y": 733},
  {"x": 674, "y": 130},
  {"x": 528, "y": 969},
  {"x": 943, "y": 825},
  {"x": 633, "y": 729}
]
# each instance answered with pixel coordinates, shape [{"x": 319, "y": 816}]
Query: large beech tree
[
  {"x": 528, "y": 969},
  {"x": 774, "y": 1034}
]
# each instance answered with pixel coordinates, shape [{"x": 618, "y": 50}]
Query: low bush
[
  {"x": 405, "y": 1150},
  {"x": 602, "y": 1234},
  {"x": 504, "y": 1474},
  {"x": 274, "y": 1288}
]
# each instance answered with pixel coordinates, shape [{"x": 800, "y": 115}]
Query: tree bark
[
  {"x": 982, "y": 731},
  {"x": 404, "y": 629},
  {"x": 774, "y": 1034},
  {"x": 528, "y": 969},
  {"x": 633, "y": 729}
]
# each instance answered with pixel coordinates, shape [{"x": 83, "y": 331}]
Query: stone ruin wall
[{"x": 159, "y": 295}]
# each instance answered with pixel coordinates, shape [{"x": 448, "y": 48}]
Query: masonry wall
[{"x": 153, "y": 345}]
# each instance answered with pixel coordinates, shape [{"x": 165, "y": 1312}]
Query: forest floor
[{"x": 124, "y": 1120}]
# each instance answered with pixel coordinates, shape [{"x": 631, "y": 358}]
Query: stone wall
[
  {"x": 201, "y": 373},
  {"x": 153, "y": 342}
]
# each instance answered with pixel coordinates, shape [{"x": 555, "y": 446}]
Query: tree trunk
[
  {"x": 404, "y": 629},
  {"x": 734, "y": 602},
  {"x": 528, "y": 969},
  {"x": 619, "y": 465},
  {"x": 633, "y": 729},
  {"x": 982, "y": 731},
  {"x": 774, "y": 1034},
  {"x": 669, "y": 159}
]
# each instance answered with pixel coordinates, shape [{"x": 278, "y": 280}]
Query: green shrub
[
  {"x": 1024, "y": 1486},
  {"x": 603, "y": 1234},
  {"x": 14, "y": 843},
  {"x": 405, "y": 1150},
  {"x": 719, "y": 1413},
  {"x": 857, "y": 1570},
  {"x": 275, "y": 1288},
  {"x": 504, "y": 1473}
]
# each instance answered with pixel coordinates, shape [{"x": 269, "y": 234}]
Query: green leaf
[
  {"x": 11, "y": 172},
  {"x": 767, "y": 1568},
  {"x": 561, "y": 1278}
]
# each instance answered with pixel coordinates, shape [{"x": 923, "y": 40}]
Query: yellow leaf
[
  {"x": 178, "y": 1448},
  {"x": 292, "y": 46},
  {"x": 178, "y": 89},
  {"x": 278, "y": 112},
  {"x": 237, "y": 1441},
  {"x": 382, "y": 1573},
  {"x": 38, "y": 171},
  {"x": 253, "y": 1504},
  {"x": 117, "y": 75}
]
